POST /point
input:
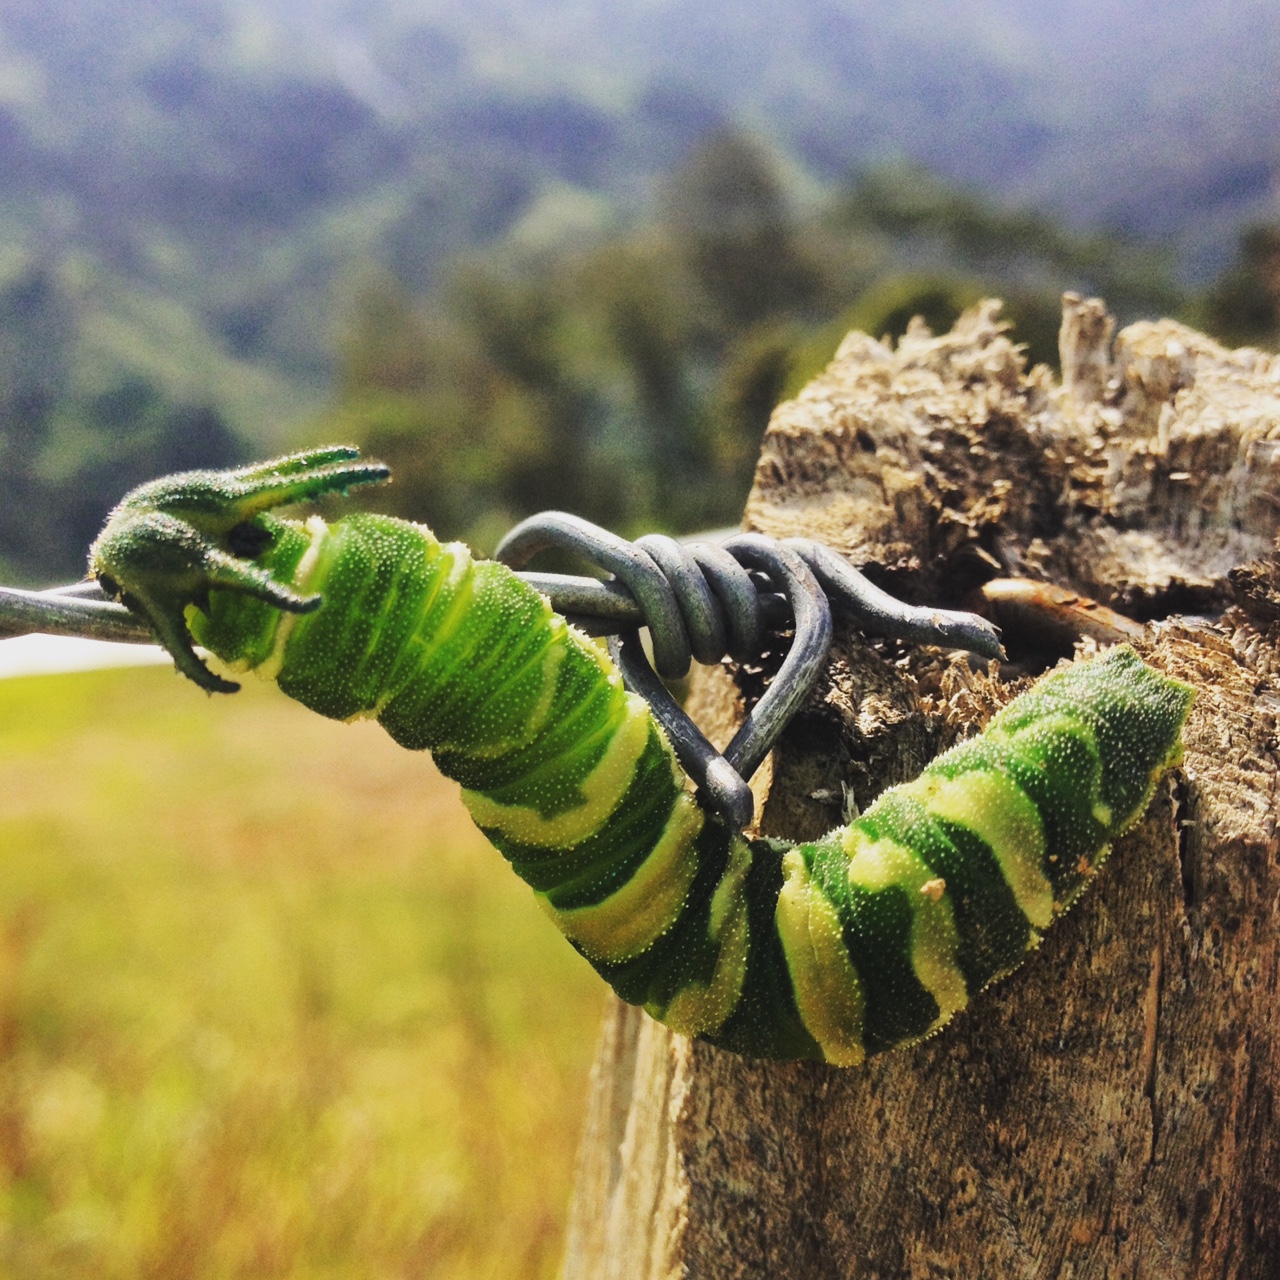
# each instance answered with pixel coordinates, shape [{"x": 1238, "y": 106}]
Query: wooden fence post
[{"x": 1111, "y": 1109}]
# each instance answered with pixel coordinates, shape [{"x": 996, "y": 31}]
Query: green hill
[{"x": 195, "y": 194}]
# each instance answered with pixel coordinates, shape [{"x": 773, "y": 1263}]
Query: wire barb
[
  {"x": 703, "y": 601},
  {"x": 699, "y": 601}
]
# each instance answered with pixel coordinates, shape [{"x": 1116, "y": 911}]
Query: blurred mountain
[
  {"x": 189, "y": 189},
  {"x": 234, "y": 157},
  {"x": 1153, "y": 116}
]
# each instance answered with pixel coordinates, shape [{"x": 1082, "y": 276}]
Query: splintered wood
[{"x": 1110, "y": 1110}]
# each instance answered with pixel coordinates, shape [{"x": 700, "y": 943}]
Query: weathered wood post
[{"x": 1111, "y": 1109}]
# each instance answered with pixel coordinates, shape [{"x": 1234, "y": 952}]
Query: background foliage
[
  {"x": 270, "y": 1006},
  {"x": 541, "y": 254}
]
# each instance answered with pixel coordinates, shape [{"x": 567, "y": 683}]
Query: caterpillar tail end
[{"x": 171, "y": 541}]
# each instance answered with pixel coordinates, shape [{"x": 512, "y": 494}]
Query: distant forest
[{"x": 529, "y": 278}]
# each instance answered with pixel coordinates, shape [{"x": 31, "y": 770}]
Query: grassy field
[{"x": 269, "y": 1005}]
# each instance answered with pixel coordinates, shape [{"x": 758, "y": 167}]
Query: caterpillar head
[{"x": 170, "y": 541}]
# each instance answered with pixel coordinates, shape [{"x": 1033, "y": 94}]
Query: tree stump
[{"x": 1110, "y": 1109}]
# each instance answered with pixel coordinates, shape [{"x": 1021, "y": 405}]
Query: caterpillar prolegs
[{"x": 873, "y": 937}]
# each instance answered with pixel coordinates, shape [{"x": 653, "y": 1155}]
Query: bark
[{"x": 1110, "y": 1109}]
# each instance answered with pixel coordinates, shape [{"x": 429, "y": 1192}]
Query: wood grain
[{"x": 1110, "y": 1110}]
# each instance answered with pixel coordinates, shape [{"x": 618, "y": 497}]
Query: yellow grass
[{"x": 269, "y": 1005}]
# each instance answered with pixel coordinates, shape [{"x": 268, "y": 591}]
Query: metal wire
[
  {"x": 630, "y": 564},
  {"x": 878, "y": 613},
  {"x": 723, "y": 786},
  {"x": 698, "y": 600},
  {"x": 714, "y": 600},
  {"x": 70, "y": 612},
  {"x": 723, "y": 777},
  {"x": 806, "y": 655}
]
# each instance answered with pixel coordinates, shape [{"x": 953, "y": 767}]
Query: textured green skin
[
  {"x": 1112, "y": 727},
  {"x": 870, "y": 938}
]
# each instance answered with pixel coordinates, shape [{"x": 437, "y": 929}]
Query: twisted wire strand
[
  {"x": 723, "y": 777},
  {"x": 630, "y": 564},
  {"x": 725, "y": 598},
  {"x": 699, "y": 601},
  {"x": 806, "y": 655},
  {"x": 697, "y": 576},
  {"x": 723, "y": 786}
]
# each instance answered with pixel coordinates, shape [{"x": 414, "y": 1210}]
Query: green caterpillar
[{"x": 872, "y": 937}]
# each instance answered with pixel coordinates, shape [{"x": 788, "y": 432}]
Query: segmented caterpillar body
[{"x": 869, "y": 938}]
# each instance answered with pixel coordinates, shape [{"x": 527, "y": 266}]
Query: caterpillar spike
[{"x": 172, "y": 541}]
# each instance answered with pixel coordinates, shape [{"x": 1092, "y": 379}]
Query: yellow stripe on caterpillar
[
  {"x": 875, "y": 865},
  {"x": 602, "y": 790},
  {"x": 934, "y": 943},
  {"x": 827, "y": 989},
  {"x": 303, "y": 576},
  {"x": 1001, "y": 814},
  {"x": 629, "y": 921},
  {"x": 701, "y": 1008}
]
